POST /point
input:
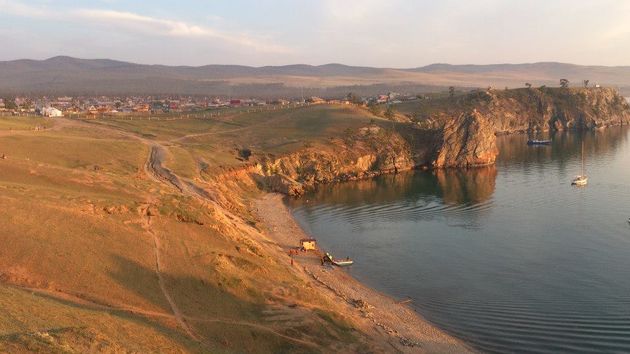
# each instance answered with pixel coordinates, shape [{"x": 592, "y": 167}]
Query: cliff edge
[
  {"x": 462, "y": 133},
  {"x": 468, "y": 132}
]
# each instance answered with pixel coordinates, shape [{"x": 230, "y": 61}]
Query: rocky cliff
[
  {"x": 468, "y": 132},
  {"x": 464, "y": 135},
  {"x": 369, "y": 152},
  {"x": 546, "y": 109},
  {"x": 469, "y": 140}
]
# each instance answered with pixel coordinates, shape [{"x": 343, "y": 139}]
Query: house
[
  {"x": 280, "y": 102},
  {"x": 92, "y": 110},
  {"x": 141, "y": 108},
  {"x": 308, "y": 244},
  {"x": 315, "y": 100},
  {"x": 51, "y": 112}
]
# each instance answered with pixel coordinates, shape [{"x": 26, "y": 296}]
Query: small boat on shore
[
  {"x": 339, "y": 263},
  {"x": 343, "y": 263},
  {"x": 538, "y": 142}
]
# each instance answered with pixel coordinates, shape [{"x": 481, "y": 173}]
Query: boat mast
[{"x": 582, "y": 156}]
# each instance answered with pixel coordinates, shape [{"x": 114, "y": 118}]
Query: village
[{"x": 105, "y": 106}]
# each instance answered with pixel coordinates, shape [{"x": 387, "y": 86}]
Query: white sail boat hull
[{"x": 582, "y": 179}]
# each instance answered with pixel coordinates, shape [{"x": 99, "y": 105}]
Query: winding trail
[
  {"x": 158, "y": 270},
  {"x": 155, "y": 170}
]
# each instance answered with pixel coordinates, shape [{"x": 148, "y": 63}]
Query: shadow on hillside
[
  {"x": 211, "y": 309},
  {"x": 139, "y": 319}
]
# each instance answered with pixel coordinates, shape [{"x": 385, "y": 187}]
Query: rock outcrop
[
  {"x": 552, "y": 109},
  {"x": 370, "y": 152},
  {"x": 469, "y": 136},
  {"x": 463, "y": 136},
  {"x": 466, "y": 141}
]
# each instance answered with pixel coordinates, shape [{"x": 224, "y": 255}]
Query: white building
[{"x": 51, "y": 112}]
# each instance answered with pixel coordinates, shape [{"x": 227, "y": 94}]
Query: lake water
[{"x": 510, "y": 258}]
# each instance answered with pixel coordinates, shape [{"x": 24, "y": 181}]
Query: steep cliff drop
[{"x": 467, "y": 141}]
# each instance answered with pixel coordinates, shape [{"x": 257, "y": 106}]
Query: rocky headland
[{"x": 462, "y": 135}]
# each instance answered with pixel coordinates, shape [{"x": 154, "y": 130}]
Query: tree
[
  {"x": 351, "y": 97},
  {"x": 451, "y": 91},
  {"x": 245, "y": 153},
  {"x": 528, "y": 85},
  {"x": 586, "y": 82},
  {"x": 27, "y": 104},
  {"x": 389, "y": 112},
  {"x": 564, "y": 83},
  {"x": 9, "y": 103}
]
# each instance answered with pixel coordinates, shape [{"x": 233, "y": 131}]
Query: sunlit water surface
[{"x": 510, "y": 258}]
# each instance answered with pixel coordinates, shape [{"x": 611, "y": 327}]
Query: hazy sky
[{"x": 384, "y": 33}]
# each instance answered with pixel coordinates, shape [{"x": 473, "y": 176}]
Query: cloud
[
  {"x": 355, "y": 11},
  {"x": 19, "y": 9},
  {"x": 147, "y": 25}
]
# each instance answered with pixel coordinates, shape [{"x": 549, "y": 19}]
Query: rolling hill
[{"x": 67, "y": 75}]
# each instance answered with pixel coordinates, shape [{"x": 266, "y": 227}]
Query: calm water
[{"x": 509, "y": 258}]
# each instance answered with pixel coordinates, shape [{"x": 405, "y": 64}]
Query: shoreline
[{"x": 378, "y": 315}]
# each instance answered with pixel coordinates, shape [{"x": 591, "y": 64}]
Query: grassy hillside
[{"x": 106, "y": 256}]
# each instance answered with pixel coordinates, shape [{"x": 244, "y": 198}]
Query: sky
[{"x": 383, "y": 33}]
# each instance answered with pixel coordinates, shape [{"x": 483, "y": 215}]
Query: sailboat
[{"x": 582, "y": 179}]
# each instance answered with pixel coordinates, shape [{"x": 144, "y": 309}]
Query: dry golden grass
[
  {"x": 39, "y": 322},
  {"x": 24, "y": 123},
  {"x": 82, "y": 221}
]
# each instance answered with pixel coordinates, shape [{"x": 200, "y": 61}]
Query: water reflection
[
  {"x": 565, "y": 147},
  {"x": 466, "y": 186},
  {"x": 450, "y": 185},
  {"x": 406, "y": 196}
]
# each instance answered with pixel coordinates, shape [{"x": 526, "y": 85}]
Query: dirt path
[
  {"x": 146, "y": 224},
  {"x": 154, "y": 169}
]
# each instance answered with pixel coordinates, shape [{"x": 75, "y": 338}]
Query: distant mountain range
[{"x": 67, "y": 75}]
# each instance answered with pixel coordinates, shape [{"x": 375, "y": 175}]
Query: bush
[{"x": 245, "y": 153}]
